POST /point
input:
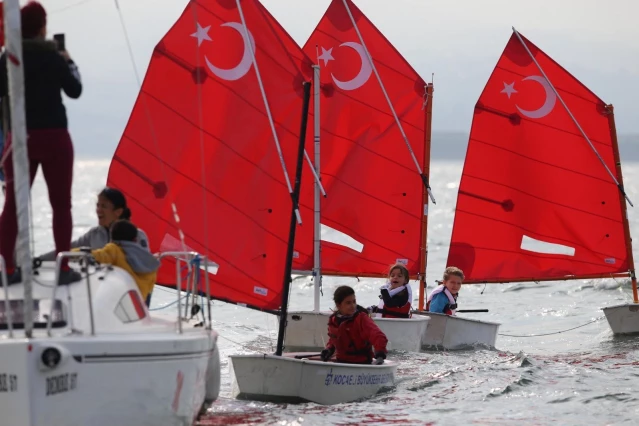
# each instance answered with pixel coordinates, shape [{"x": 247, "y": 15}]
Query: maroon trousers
[{"x": 53, "y": 149}]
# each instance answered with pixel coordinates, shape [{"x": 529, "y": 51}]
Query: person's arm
[
  {"x": 81, "y": 241},
  {"x": 438, "y": 303},
  {"x": 329, "y": 350},
  {"x": 375, "y": 335},
  {"x": 108, "y": 254},
  {"x": 71, "y": 81}
]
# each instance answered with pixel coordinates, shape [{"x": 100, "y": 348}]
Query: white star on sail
[
  {"x": 202, "y": 33},
  {"x": 326, "y": 55},
  {"x": 509, "y": 89}
]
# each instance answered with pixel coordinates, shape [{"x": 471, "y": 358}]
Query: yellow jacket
[{"x": 144, "y": 270}]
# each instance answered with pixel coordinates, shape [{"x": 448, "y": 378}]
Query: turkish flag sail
[
  {"x": 535, "y": 202},
  {"x": 199, "y": 138},
  {"x": 375, "y": 192}
]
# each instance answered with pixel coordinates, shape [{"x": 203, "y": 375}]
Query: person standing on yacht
[{"x": 47, "y": 72}]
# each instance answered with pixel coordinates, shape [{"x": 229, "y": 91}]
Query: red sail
[
  {"x": 199, "y": 137},
  {"x": 374, "y": 189},
  {"x": 534, "y": 200}
]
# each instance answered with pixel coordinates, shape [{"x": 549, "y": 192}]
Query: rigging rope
[
  {"x": 554, "y": 332},
  {"x": 176, "y": 217},
  {"x": 390, "y": 104},
  {"x": 70, "y": 6}
]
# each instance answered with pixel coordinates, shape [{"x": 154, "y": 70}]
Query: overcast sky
[{"x": 458, "y": 40}]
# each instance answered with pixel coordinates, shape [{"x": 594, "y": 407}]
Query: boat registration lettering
[
  {"x": 62, "y": 383},
  {"x": 8, "y": 382},
  {"x": 357, "y": 379}
]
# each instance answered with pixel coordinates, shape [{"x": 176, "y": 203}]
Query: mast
[
  {"x": 21, "y": 180},
  {"x": 317, "y": 239},
  {"x": 425, "y": 197},
  {"x": 295, "y": 195},
  {"x": 622, "y": 201}
]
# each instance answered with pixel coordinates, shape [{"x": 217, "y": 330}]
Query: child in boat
[
  {"x": 396, "y": 295},
  {"x": 444, "y": 298},
  {"x": 124, "y": 252},
  {"x": 352, "y": 333}
]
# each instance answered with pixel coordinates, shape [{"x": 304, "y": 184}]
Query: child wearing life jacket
[
  {"x": 352, "y": 333},
  {"x": 396, "y": 295},
  {"x": 444, "y": 298},
  {"x": 127, "y": 254}
]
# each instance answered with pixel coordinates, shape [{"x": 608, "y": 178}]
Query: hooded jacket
[
  {"x": 352, "y": 337},
  {"x": 46, "y": 74},
  {"x": 131, "y": 257}
]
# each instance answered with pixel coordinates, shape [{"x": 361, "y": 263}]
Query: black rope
[{"x": 555, "y": 332}]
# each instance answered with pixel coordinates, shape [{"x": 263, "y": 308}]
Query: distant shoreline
[{"x": 447, "y": 146}]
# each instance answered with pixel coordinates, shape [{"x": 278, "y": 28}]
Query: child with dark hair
[
  {"x": 352, "y": 333},
  {"x": 396, "y": 295},
  {"x": 125, "y": 253}
]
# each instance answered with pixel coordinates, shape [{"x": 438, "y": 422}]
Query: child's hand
[
  {"x": 379, "y": 358},
  {"x": 326, "y": 354}
]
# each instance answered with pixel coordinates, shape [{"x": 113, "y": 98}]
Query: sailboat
[
  {"x": 541, "y": 196},
  {"x": 373, "y": 104},
  {"x": 70, "y": 353},
  {"x": 215, "y": 144}
]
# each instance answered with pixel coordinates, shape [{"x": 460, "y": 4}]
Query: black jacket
[{"x": 46, "y": 74}]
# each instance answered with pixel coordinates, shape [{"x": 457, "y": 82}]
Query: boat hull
[
  {"x": 113, "y": 369},
  {"x": 623, "y": 319},
  {"x": 308, "y": 331},
  {"x": 455, "y": 333},
  {"x": 150, "y": 380},
  {"x": 288, "y": 379}
]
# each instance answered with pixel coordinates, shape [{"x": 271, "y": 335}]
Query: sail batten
[{"x": 534, "y": 201}]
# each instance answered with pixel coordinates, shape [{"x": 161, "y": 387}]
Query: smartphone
[{"x": 59, "y": 38}]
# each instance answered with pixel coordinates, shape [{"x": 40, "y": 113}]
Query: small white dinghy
[
  {"x": 623, "y": 319},
  {"x": 97, "y": 356},
  {"x": 455, "y": 332},
  {"x": 308, "y": 331},
  {"x": 542, "y": 197},
  {"x": 376, "y": 224},
  {"x": 294, "y": 378}
]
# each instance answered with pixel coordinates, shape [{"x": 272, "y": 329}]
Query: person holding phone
[{"x": 47, "y": 72}]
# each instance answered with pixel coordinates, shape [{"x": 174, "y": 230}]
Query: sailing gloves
[
  {"x": 379, "y": 358},
  {"x": 327, "y": 354}
]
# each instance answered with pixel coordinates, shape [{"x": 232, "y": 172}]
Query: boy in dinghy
[
  {"x": 443, "y": 299},
  {"x": 352, "y": 333},
  {"x": 396, "y": 295}
]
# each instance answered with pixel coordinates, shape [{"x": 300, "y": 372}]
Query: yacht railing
[
  {"x": 191, "y": 259},
  {"x": 58, "y": 262},
  {"x": 188, "y": 257}
]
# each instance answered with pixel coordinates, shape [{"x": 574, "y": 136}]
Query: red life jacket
[
  {"x": 398, "y": 311},
  {"x": 353, "y": 337},
  {"x": 403, "y": 311}
]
